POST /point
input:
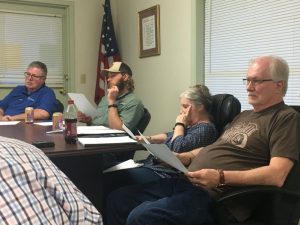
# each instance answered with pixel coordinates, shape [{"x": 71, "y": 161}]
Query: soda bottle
[{"x": 70, "y": 117}]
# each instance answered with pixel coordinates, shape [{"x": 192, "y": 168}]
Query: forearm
[
  {"x": 267, "y": 175},
  {"x": 39, "y": 114},
  {"x": 187, "y": 157},
  {"x": 114, "y": 120},
  {"x": 1, "y": 113},
  {"x": 157, "y": 139},
  {"x": 178, "y": 130}
]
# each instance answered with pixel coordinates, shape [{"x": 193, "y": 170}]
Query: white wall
[{"x": 160, "y": 79}]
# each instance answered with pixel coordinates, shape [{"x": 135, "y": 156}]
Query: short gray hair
[
  {"x": 278, "y": 68},
  {"x": 199, "y": 94},
  {"x": 40, "y": 65}
]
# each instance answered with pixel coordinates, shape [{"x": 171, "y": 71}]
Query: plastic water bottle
[{"x": 70, "y": 117}]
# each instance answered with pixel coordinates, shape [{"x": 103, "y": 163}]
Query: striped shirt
[{"x": 34, "y": 191}]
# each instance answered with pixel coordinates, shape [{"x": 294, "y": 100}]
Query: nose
[{"x": 249, "y": 86}]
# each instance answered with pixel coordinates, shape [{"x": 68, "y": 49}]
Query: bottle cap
[{"x": 70, "y": 101}]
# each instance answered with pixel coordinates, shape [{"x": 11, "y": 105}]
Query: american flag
[{"x": 108, "y": 51}]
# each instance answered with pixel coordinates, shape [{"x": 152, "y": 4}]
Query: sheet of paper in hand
[{"x": 162, "y": 152}]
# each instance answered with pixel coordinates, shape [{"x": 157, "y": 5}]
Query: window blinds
[
  {"x": 28, "y": 36},
  {"x": 237, "y": 30}
]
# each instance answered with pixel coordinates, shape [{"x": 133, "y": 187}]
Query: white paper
[
  {"x": 162, "y": 152},
  {"x": 48, "y": 123},
  {"x": 97, "y": 130},
  {"x": 128, "y": 131},
  {"x": 3, "y": 123},
  {"x": 144, "y": 138},
  {"x": 83, "y": 104},
  {"x": 128, "y": 164},
  {"x": 105, "y": 140}
]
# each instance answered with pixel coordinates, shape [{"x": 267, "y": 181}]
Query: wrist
[
  {"x": 179, "y": 124},
  {"x": 112, "y": 106},
  {"x": 149, "y": 138}
]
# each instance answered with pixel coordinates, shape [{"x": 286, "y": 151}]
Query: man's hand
[
  {"x": 7, "y": 118},
  {"x": 204, "y": 178},
  {"x": 112, "y": 94},
  {"x": 83, "y": 118}
]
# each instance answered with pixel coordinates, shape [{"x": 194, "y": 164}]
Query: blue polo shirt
[{"x": 18, "y": 99}]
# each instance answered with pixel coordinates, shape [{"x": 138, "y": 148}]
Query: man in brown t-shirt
[{"x": 259, "y": 148}]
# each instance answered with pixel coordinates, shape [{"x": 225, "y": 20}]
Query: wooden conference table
[{"x": 81, "y": 164}]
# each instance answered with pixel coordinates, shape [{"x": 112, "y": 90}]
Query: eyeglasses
[
  {"x": 254, "y": 82},
  {"x": 33, "y": 76}
]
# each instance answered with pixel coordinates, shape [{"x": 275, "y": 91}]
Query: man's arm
[
  {"x": 1, "y": 113},
  {"x": 274, "y": 174},
  {"x": 39, "y": 114}
]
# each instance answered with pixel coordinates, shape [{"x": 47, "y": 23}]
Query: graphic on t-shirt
[{"x": 239, "y": 133}]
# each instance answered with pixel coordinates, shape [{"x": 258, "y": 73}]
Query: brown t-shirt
[{"x": 251, "y": 140}]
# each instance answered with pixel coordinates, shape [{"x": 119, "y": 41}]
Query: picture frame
[{"x": 149, "y": 31}]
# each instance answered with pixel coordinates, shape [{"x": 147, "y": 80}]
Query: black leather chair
[
  {"x": 277, "y": 206},
  {"x": 60, "y": 106},
  {"x": 224, "y": 108},
  {"x": 119, "y": 157},
  {"x": 144, "y": 121}
]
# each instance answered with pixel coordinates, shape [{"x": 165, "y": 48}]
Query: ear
[
  {"x": 280, "y": 85},
  {"x": 125, "y": 77}
]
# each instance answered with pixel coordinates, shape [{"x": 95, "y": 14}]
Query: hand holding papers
[
  {"x": 128, "y": 131},
  {"x": 83, "y": 104}
]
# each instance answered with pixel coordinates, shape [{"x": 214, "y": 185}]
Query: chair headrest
[{"x": 224, "y": 108}]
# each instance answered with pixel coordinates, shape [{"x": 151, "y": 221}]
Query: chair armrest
[{"x": 256, "y": 189}]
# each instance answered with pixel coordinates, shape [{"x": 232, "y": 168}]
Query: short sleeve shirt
[
  {"x": 18, "y": 99},
  {"x": 130, "y": 109},
  {"x": 253, "y": 139}
]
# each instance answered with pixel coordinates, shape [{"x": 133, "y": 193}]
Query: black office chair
[
  {"x": 144, "y": 121},
  {"x": 224, "y": 108},
  {"x": 116, "y": 158},
  {"x": 60, "y": 106},
  {"x": 277, "y": 206}
]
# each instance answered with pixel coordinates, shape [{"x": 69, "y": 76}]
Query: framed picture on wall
[{"x": 149, "y": 32}]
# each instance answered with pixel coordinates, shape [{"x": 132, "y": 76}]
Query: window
[
  {"x": 27, "y": 33},
  {"x": 238, "y": 30}
]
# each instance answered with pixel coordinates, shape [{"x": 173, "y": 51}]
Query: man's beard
[{"x": 121, "y": 85}]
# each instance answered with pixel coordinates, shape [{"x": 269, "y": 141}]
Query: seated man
[
  {"x": 120, "y": 105},
  {"x": 256, "y": 149},
  {"x": 34, "y": 191},
  {"x": 33, "y": 94}
]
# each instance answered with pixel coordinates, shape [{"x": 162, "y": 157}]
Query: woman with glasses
[{"x": 33, "y": 94}]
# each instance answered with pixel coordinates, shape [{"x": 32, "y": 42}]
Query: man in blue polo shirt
[{"x": 33, "y": 94}]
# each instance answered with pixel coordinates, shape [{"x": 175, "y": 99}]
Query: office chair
[
  {"x": 144, "y": 121},
  {"x": 277, "y": 206},
  {"x": 224, "y": 108},
  {"x": 141, "y": 126},
  {"x": 60, "y": 106}
]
